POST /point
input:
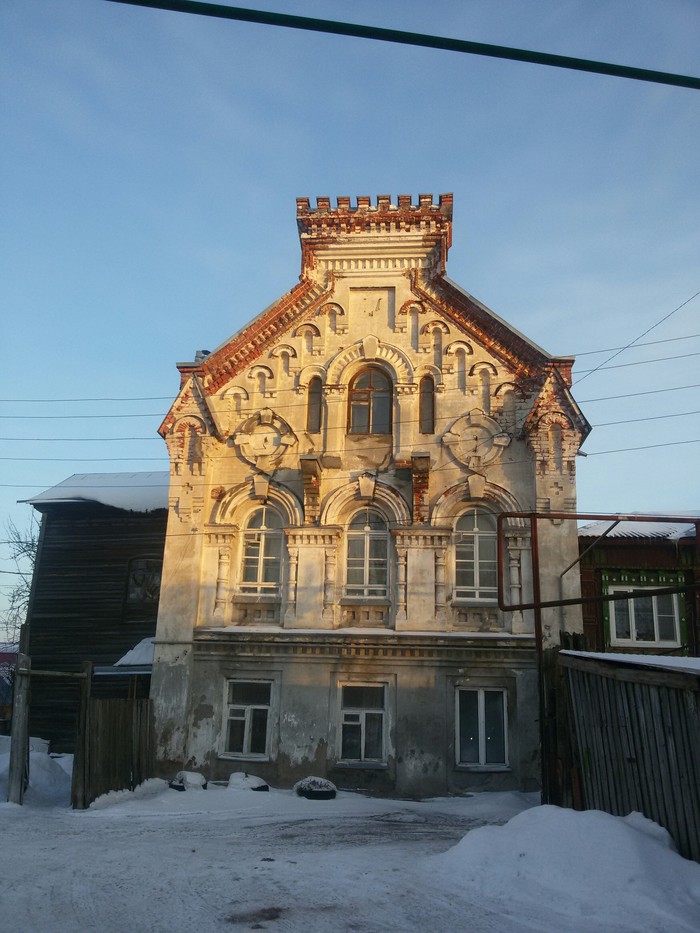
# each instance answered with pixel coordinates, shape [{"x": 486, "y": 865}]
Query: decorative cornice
[
  {"x": 223, "y": 644},
  {"x": 522, "y": 358}
]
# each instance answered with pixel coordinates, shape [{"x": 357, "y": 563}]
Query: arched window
[
  {"x": 475, "y": 556},
  {"x": 368, "y": 555},
  {"x": 426, "y": 416},
  {"x": 313, "y": 409},
  {"x": 261, "y": 570},
  {"x": 370, "y": 402}
]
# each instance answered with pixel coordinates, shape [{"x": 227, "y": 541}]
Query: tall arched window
[
  {"x": 475, "y": 556},
  {"x": 426, "y": 416},
  {"x": 368, "y": 555},
  {"x": 313, "y": 409},
  {"x": 261, "y": 570},
  {"x": 370, "y": 402}
]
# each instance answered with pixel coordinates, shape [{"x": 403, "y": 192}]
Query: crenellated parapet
[{"x": 429, "y": 222}]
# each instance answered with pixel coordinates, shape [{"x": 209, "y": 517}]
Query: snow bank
[
  {"x": 49, "y": 781},
  {"x": 619, "y": 873}
]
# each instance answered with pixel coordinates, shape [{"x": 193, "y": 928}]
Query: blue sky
[{"x": 151, "y": 161}]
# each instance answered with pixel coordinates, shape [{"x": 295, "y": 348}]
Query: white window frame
[
  {"x": 482, "y": 764},
  {"x": 362, "y": 718},
  {"x": 638, "y": 591},
  {"x": 478, "y": 593},
  {"x": 247, "y": 718},
  {"x": 364, "y": 590},
  {"x": 259, "y": 536}
]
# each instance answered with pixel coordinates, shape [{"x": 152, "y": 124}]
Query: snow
[
  {"x": 228, "y": 858},
  {"x": 661, "y": 661},
  {"x": 134, "y": 492},
  {"x": 140, "y": 655},
  {"x": 666, "y": 530}
]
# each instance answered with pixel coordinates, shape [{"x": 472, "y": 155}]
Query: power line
[
  {"x": 658, "y": 359},
  {"x": 680, "y": 414},
  {"x": 632, "y": 342},
  {"x": 596, "y": 453},
  {"x": 163, "y": 459},
  {"x": 401, "y": 37},
  {"x": 609, "y": 398},
  {"x": 661, "y": 359},
  {"x": 650, "y": 343}
]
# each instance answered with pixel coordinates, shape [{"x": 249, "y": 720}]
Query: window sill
[
  {"x": 467, "y": 602},
  {"x": 647, "y": 645},
  {"x": 362, "y": 765},
  {"x": 269, "y": 599},
  {"x": 500, "y": 769},
  {"x": 380, "y": 601},
  {"x": 233, "y": 756}
]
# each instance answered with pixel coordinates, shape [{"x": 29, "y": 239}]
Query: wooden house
[
  {"x": 95, "y": 590},
  {"x": 637, "y": 557}
]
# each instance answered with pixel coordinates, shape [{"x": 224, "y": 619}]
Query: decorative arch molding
[
  {"x": 457, "y": 345},
  {"x": 336, "y": 314},
  {"x": 413, "y": 305},
  {"x": 306, "y": 328},
  {"x": 308, "y": 373},
  {"x": 457, "y": 499},
  {"x": 427, "y": 369},
  {"x": 365, "y": 490},
  {"x": 552, "y": 418},
  {"x": 370, "y": 350},
  {"x": 259, "y": 370},
  {"x": 236, "y": 504},
  {"x": 504, "y": 387},
  {"x": 191, "y": 423},
  {"x": 281, "y": 350},
  {"x": 235, "y": 391},
  {"x": 483, "y": 367},
  {"x": 433, "y": 325}
]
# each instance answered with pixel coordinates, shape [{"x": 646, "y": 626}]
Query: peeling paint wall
[{"x": 269, "y": 429}]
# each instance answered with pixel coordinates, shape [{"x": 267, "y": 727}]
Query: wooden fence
[
  {"x": 638, "y": 736},
  {"x": 115, "y": 748}
]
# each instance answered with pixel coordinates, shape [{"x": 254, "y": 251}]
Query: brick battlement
[
  {"x": 424, "y": 208},
  {"x": 323, "y": 224}
]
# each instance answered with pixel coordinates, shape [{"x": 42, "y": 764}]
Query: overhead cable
[{"x": 401, "y": 37}]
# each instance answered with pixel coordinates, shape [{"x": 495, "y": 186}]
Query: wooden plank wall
[
  {"x": 78, "y": 611},
  {"x": 638, "y": 738},
  {"x": 118, "y": 749}
]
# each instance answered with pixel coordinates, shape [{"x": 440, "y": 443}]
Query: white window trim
[
  {"x": 362, "y": 762},
  {"x": 360, "y": 591},
  {"x": 482, "y": 764},
  {"x": 259, "y": 588},
  {"x": 247, "y": 755},
  {"x": 633, "y": 640},
  {"x": 476, "y": 595}
]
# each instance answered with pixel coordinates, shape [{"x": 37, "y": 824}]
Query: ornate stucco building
[{"x": 328, "y": 601}]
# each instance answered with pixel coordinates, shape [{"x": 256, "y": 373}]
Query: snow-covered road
[{"x": 221, "y": 859}]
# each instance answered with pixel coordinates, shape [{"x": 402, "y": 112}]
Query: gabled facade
[{"x": 328, "y": 601}]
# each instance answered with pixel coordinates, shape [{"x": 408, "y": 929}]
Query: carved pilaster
[
  {"x": 329, "y": 583},
  {"x": 401, "y": 584},
  {"x": 440, "y": 577},
  {"x": 291, "y": 609},
  {"x": 223, "y": 575}
]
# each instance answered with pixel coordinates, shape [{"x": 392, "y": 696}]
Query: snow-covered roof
[
  {"x": 134, "y": 492},
  {"x": 139, "y": 655},
  {"x": 661, "y": 531},
  {"x": 659, "y": 661}
]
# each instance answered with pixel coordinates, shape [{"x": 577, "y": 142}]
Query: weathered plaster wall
[{"x": 240, "y": 436}]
